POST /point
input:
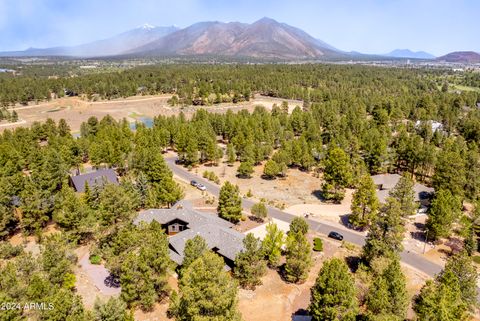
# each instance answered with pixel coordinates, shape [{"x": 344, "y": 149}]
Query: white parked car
[{"x": 201, "y": 187}]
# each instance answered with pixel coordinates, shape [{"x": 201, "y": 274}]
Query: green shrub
[
  {"x": 7, "y": 250},
  {"x": 317, "y": 244},
  {"x": 259, "y": 210},
  {"x": 95, "y": 259},
  {"x": 348, "y": 246},
  {"x": 476, "y": 259},
  {"x": 211, "y": 176},
  {"x": 206, "y": 174}
]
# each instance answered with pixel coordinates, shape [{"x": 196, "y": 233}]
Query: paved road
[{"x": 414, "y": 260}]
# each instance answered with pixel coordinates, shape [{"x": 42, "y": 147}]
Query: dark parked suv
[{"x": 335, "y": 235}]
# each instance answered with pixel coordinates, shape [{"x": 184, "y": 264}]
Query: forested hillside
[
  {"x": 354, "y": 121},
  {"x": 209, "y": 84}
]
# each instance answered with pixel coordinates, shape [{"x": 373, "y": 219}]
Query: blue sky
[{"x": 369, "y": 26}]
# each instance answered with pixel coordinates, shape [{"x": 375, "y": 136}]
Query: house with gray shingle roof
[
  {"x": 183, "y": 224},
  {"x": 96, "y": 178},
  {"x": 386, "y": 182}
]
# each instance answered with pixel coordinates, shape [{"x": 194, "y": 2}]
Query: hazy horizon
[{"x": 372, "y": 26}]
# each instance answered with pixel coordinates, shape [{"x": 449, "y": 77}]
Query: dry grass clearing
[{"x": 76, "y": 110}]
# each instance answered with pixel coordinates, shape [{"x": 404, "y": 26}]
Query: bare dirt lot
[
  {"x": 298, "y": 193},
  {"x": 297, "y": 188},
  {"x": 76, "y": 110}
]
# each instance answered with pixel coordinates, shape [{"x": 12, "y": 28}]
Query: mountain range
[
  {"x": 113, "y": 46},
  {"x": 265, "y": 38},
  {"x": 407, "y": 53},
  {"x": 461, "y": 57}
]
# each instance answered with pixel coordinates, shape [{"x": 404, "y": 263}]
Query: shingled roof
[
  {"x": 228, "y": 242},
  {"x": 97, "y": 178},
  {"x": 386, "y": 182},
  {"x": 217, "y": 232},
  {"x": 192, "y": 218}
]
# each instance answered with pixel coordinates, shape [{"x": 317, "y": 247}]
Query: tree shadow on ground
[
  {"x": 112, "y": 281},
  {"x": 300, "y": 315},
  {"x": 418, "y": 235},
  {"x": 253, "y": 218},
  {"x": 353, "y": 262},
  {"x": 319, "y": 195}
]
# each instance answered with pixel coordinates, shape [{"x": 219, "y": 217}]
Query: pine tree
[
  {"x": 245, "y": 169},
  {"x": 231, "y": 156},
  {"x": 444, "y": 211},
  {"x": 450, "y": 172},
  {"x": 54, "y": 259},
  {"x": 271, "y": 169},
  {"x": 405, "y": 195},
  {"x": 229, "y": 203},
  {"x": 206, "y": 292},
  {"x": 337, "y": 173},
  {"x": 112, "y": 310},
  {"x": 461, "y": 266},
  {"x": 115, "y": 205},
  {"x": 144, "y": 271},
  {"x": 68, "y": 209},
  {"x": 364, "y": 203},
  {"x": 249, "y": 263},
  {"x": 36, "y": 206},
  {"x": 386, "y": 232},
  {"x": 397, "y": 287},
  {"x": 163, "y": 189},
  {"x": 63, "y": 128},
  {"x": 194, "y": 248},
  {"x": 298, "y": 257},
  {"x": 259, "y": 210},
  {"x": 440, "y": 300},
  {"x": 387, "y": 298},
  {"x": 333, "y": 297},
  {"x": 299, "y": 225},
  {"x": 272, "y": 244},
  {"x": 68, "y": 306},
  {"x": 377, "y": 300}
]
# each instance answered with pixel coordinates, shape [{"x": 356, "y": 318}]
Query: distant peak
[
  {"x": 147, "y": 26},
  {"x": 267, "y": 20}
]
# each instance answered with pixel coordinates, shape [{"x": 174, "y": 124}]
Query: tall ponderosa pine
[
  {"x": 163, "y": 189},
  {"x": 386, "y": 232},
  {"x": 114, "y": 309},
  {"x": 194, "y": 248},
  {"x": 231, "y": 156},
  {"x": 333, "y": 297},
  {"x": 272, "y": 244},
  {"x": 144, "y": 269},
  {"x": 441, "y": 300},
  {"x": 461, "y": 265},
  {"x": 206, "y": 292},
  {"x": 405, "y": 195},
  {"x": 364, "y": 203},
  {"x": 250, "y": 265},
  {"x": 230, "y": 203},
  {"x": 445, "y": 209},
  {"x": 337, "y": 173},
  {"x": 450, "y": 171},
  {"x": 298, "y": 257},
  {"x": 387, "y": 298}
]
